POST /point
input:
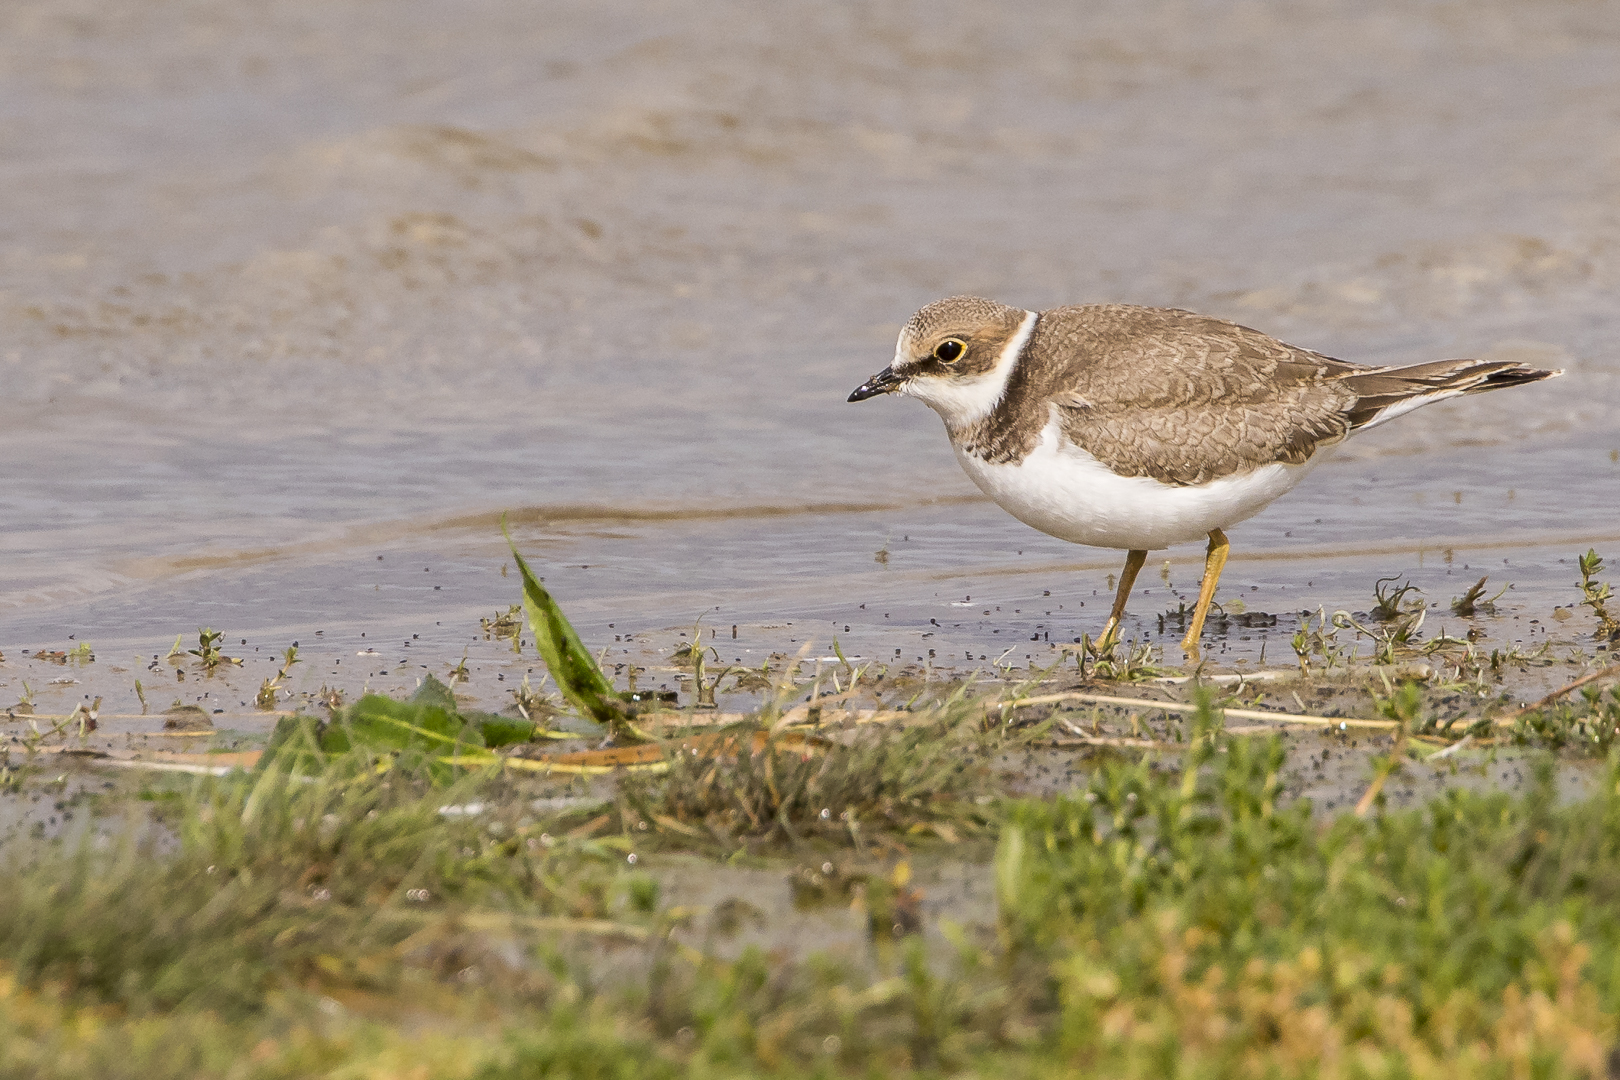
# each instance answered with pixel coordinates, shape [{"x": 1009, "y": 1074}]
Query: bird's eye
[{"x": 949, "y": 351}]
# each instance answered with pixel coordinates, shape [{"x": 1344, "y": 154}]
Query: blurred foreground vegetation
[{"x": 1170, "y": 920}]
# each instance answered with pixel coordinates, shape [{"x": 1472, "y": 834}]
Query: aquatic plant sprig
[
  {"x": 25, "y": 702},
  {"x": 208, "y": 651},
  {"x": 1591, "y": 726},
  {"x": 1390, "y": 603},
  {"x": 1402, "y": 632},
  {"x": 504, "y": 625},
  {"x": 266, "y": 697},
  {"x": 1107, "y": 664},
  {"x": 696, "y": 654},
  {"x": 1319, "y": 642},
  {"x": 1469, "y": 603},
  {"x": 1596, "y": 595}
]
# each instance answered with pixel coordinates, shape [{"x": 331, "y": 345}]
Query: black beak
[{"x": 884, "y": 382}]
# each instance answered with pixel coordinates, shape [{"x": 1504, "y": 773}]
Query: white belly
[{"x": 1064, "y": 491}]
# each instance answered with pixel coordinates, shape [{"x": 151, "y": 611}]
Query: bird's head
[{"x": 954, "y": 355}]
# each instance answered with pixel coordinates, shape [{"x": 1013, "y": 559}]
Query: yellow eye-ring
[{"x": 949, "y": 351}]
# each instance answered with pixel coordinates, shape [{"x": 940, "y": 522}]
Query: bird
[{"x": 1119, "y": 426}]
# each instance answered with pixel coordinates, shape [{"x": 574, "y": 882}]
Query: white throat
[{"x": 961, "y": 402}]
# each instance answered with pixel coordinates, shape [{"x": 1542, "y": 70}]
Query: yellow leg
[
  {"x": 1214, "y": 561},
  {"x": 1127, "y": 578}
]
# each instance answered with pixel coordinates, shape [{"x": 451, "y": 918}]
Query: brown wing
[{"x": 1186, "y": 398}]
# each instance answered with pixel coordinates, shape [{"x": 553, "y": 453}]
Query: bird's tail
[{"x": 1386, "y": 393}]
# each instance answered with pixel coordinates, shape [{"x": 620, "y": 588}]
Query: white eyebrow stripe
[{"x": 966, "y": 401}]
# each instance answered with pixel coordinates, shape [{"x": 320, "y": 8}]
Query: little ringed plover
[{"x": 1138, "y": 428}]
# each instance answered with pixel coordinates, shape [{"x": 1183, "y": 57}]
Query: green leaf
[
  {"x": 434, "y": 692},
  {"x": 381, "y": 724},
  {"x": 429, "y": 724},
  {"x": 571, "y": 667},
  {"x": 501, "y": 730}
]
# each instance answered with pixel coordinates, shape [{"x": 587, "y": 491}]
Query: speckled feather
[{"x": 1182, "y": 398}]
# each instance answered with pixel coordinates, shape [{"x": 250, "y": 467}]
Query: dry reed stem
[
  {"x": 23, "y": 717},
  {"x": 1182, "y": 707}
]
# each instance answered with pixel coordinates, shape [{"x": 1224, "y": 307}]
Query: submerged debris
[{"x": 180, "y": 717}]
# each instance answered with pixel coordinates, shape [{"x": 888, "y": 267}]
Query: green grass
[
  {"x": 1163, "y": 922},
  {"x": 1198, "y": 928},
  {"x": 926, "y": 778},
  {"x": 256, "y": 885}
]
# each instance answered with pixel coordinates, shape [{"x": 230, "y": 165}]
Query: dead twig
[
  {"x": 1099, "y": 740},
  {"x": 1081, "y": 738},
  {"x": 1612, "y": 669}
]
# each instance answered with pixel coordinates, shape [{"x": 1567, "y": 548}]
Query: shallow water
[{"x": 296, "y": 299}]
